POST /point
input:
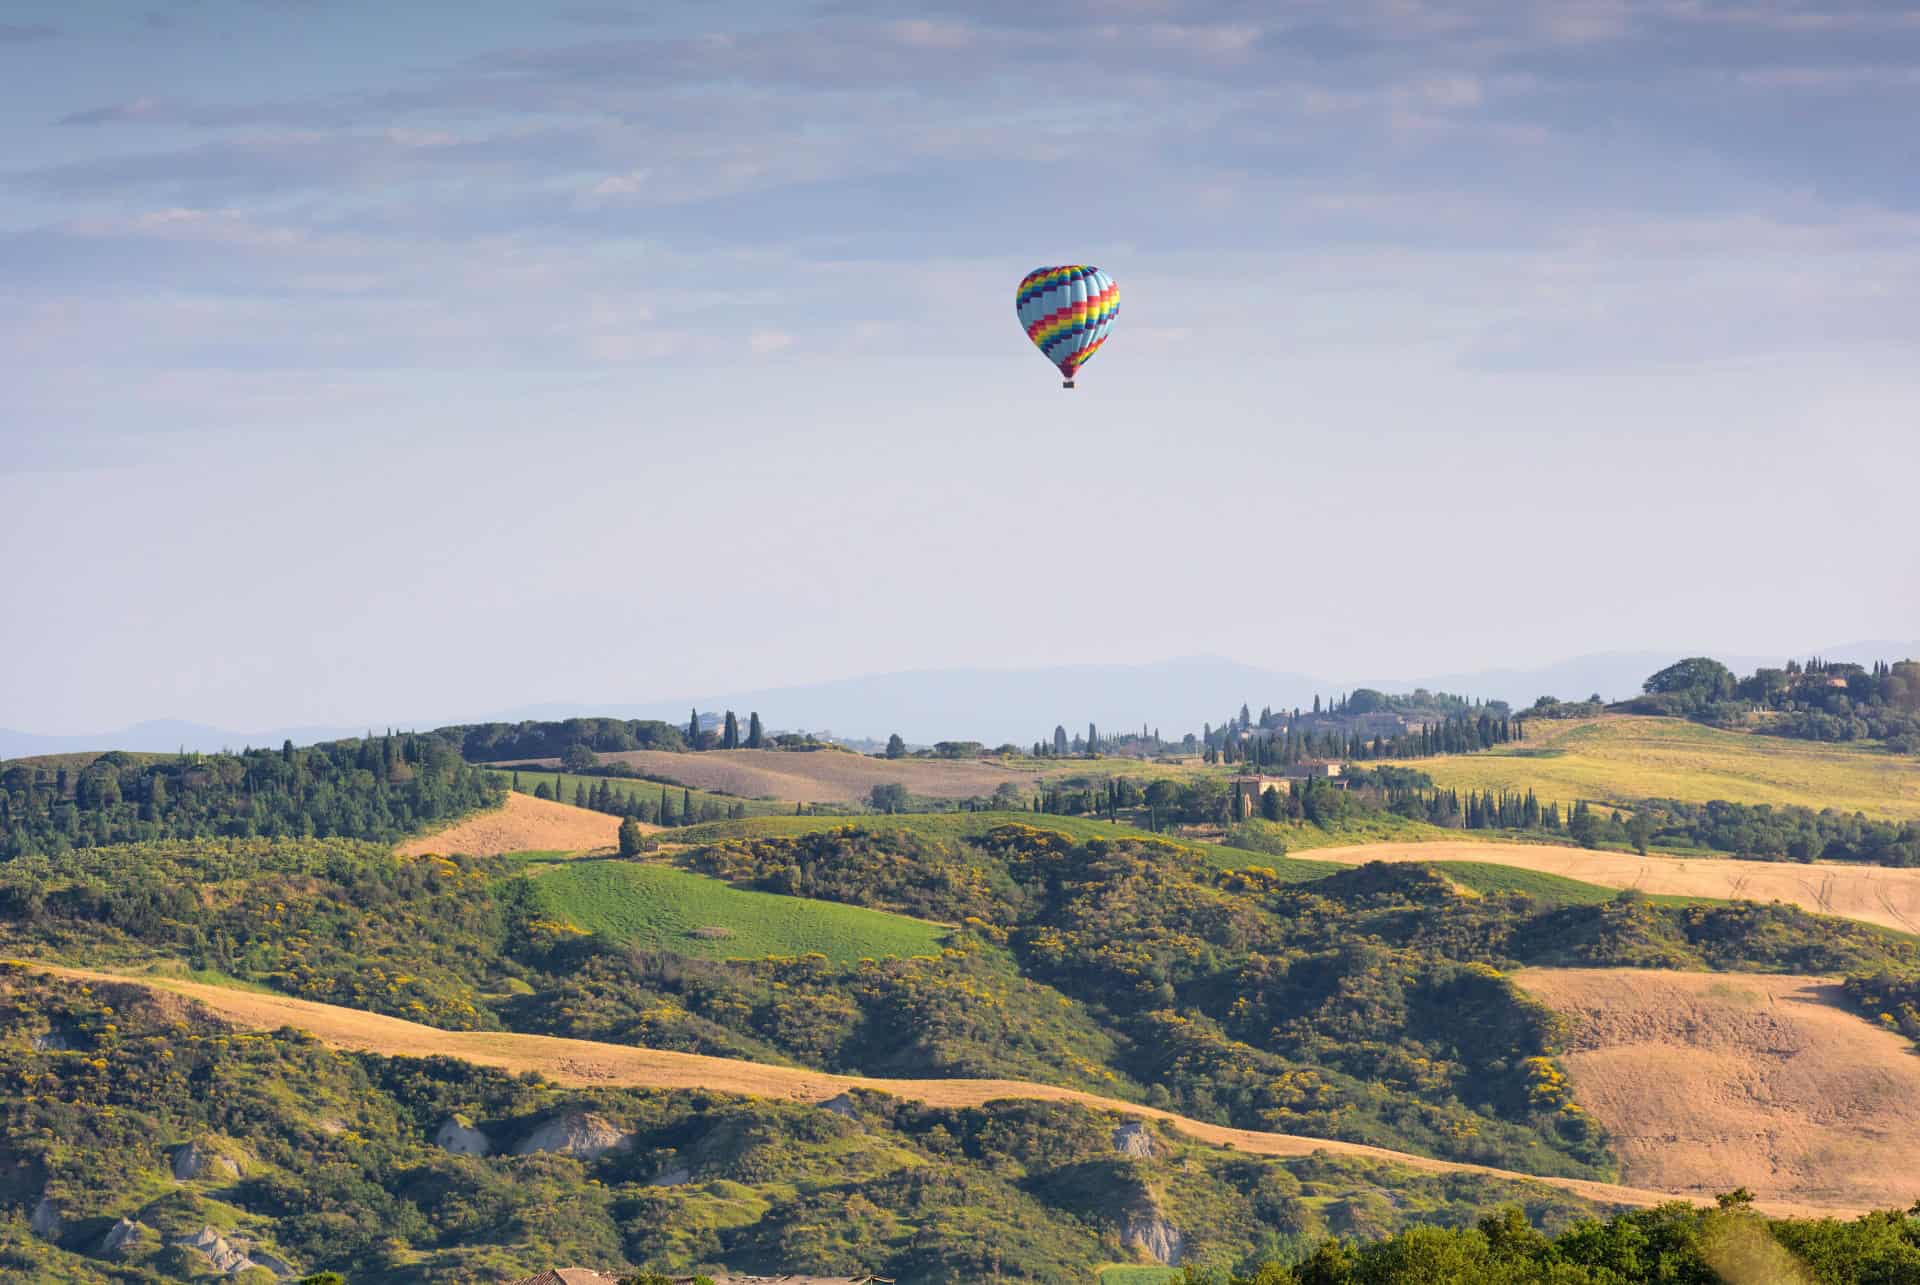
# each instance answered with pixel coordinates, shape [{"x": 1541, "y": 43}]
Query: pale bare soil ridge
[
  {"x": 522, "y": 824},
  {"x": 1709, "y": 1081},
  {"x": 1884, "y": 895},
  {"x": 586, "y": 1063},
  {"x": 816, "y": 776}
]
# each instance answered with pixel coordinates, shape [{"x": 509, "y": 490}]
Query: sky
[{"x": 363, "y": 362}]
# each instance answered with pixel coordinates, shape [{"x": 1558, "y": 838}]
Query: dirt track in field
[
  {"x": 1884, "y": 895},
  {"x": 522, "y": 824},
  {"x": 1710, "y": 1081},
  {"x": 586, "y": 1063},
  {"x": 814, "y": 776}
]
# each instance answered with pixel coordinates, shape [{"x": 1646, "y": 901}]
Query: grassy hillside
[
  {"x": 958, "y": 827},
  {"x": 334, "y": 1166},
  {"x": 1621, "y": 759},
  {"x": 660, "y": 908},
  {"x": 1371, "y": 1005},
  {"x": 1485, "y": 878}
]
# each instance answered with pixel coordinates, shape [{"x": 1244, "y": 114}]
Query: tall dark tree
[
  {"x": 1059, "y": 741},
  {"x": 693, "y": 730},
  {"x": 1093, "y": 739},
  {"x": 896, "y": 748},
  {"x": 730, "y": 733},
  {"x": 755, "y": 735}
]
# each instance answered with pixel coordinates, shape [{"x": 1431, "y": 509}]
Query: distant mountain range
[{"x": 996, "y": 705}]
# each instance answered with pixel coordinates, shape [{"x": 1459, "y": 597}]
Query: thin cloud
[{"x": 26, "y": 34}]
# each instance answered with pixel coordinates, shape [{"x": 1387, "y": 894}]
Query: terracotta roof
[{"x": 569, "y": 1276}]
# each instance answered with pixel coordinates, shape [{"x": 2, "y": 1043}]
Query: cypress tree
[
  {"x": 686, "y": 807},
  {"x": 693, "y": 730},
  {"x": 730, "y": 735},
  {"x": 754, "y": 734}
]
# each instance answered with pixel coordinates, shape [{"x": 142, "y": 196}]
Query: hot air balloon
[{"x": 1067, "y": 312}]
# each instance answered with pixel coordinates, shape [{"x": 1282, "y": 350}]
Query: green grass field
[
  {"x": 650, "y": 790},
  {"x": 1619, "y": 759},
  {"x": 1304, "y": 836},
  {"x": 1484, "y": 878},
  {"x": 950, "y": 827},
  {"x": 661, "y": 908}
]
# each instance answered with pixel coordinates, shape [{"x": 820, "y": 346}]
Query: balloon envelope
[{"x": 1067, "y": 312}]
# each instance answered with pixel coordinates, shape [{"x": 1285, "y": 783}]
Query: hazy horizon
[
  {"x": 477, "y": 358},
  {"x": 993, "y": 704}
]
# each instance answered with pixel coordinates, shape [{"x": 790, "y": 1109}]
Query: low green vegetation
[
  {"x": 658, "y": 908},
  {"x": 1358, "y": 827},
  {"x": 1550, "y": 889}
]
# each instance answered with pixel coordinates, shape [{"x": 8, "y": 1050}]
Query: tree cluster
[
  {"x": 1816, "y": 700},
  {"x": 380, "y": 787}
]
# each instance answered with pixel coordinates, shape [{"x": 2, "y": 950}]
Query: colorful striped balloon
[{"x": 1067, "y": 312}]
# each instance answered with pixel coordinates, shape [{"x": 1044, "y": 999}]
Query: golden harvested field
[
  {"x": 815, "y": 776},
  {"x": 1709, "y": 1081},
  {"x": 1621, "y": 758},
  {"x": 522, "y": 824},
  {"x": 584, "y": 1063},
  {"x": 1884, "y": 895}
]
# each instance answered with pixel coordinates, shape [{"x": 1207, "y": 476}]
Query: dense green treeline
[
  {"x": 1779, "y": 833},
  {"x": 378, "y": 788},
  {"x": 1458, "y": 734},
  {"x": 499, "y": 742},
  {"x": 650, "y": 802},
  {"x": 1674, "y": 1243}
]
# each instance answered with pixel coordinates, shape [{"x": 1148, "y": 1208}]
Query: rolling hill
[
  {"x": 1711, "y": 1080},
  {"x": 585, "y": 1063},
  {"x": 1883, "y": 895},
  {"x": 1622, "y": 758},
  {"x": 521, "y": 824}
]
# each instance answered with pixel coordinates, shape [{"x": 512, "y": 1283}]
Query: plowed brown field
[
  {"x": 816, "y": 776},
  {"x": 1883, "y": 895},
  {"x": 1710, "y": 1081},
  {"x": 585, "y": 1063},
  {"x": 522, "y": 824}
]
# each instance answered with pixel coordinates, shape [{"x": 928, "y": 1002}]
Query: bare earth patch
[
  {"x": 584, "y": 1063},
  {"x": 817, "y": 776},
  {"x": 1710, "y": 1081},
  {"x": 1883, "y": 895},
  {"x": 523, "y": 824}
]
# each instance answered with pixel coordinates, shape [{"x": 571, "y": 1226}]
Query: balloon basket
[{"x": 1066, "y": 383}]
